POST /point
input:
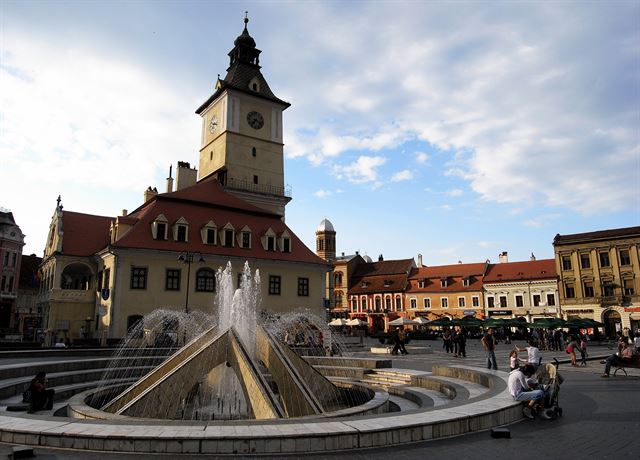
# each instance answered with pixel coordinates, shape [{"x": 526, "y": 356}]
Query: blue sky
[{"x": 455, "y": 130}]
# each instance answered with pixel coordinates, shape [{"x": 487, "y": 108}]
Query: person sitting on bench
[
  {"x": 625, "y": 357},
  {"x": 41, "y": 396},
  {"x": 520, "y": 386}
]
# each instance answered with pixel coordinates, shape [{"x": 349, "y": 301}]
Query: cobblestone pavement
[{"x": 601, "y": 420}]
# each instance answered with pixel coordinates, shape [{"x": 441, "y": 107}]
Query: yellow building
[
  {"x": 599, "y": 277},
  {"x": 103, "y": 273}
]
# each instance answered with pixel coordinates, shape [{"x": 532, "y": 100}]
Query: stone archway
[{"x": 612, "y": 323}]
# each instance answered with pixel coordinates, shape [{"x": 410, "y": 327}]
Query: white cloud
[
  {"x": 454, "y": 192},
  {"x": 421, "y": 157},
  {"x": 515, "y": 113},
  {"x": 361, "y": 171},
  {"x": 401, "y": 176},
  {"x": 76, "y": 122},
  {"x": 485, "y": 244},
  {"x": 322, "y": 193}
]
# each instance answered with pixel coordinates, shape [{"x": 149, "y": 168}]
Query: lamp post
[{"x": 187, "y": 258}]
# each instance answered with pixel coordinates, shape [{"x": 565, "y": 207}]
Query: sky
[{"x": 456, "y": 130}]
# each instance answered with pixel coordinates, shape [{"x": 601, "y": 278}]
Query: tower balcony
[{"x": 245, "y": 186}]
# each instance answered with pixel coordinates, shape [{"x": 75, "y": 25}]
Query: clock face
[
  {"x": 213, "y": 125},
  {"x": 255, "y": 120}
]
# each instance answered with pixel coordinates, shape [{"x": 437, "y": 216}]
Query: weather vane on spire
[{"x": 246, "y": 19}]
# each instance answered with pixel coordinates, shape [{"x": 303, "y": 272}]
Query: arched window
[
  {"x": 205, "y": 280},
  {"x": 76, "y": 276}
]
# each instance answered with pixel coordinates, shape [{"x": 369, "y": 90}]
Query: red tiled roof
[
  {"x": 207, "y": 201},
  {"x": 455, "y": 270},
  {"x": 384, "y": 267},
  {"x": 374, "y": 284},
  {"x": 381, "y": 276},
  {"x": 84, "y": 234},
  {"x": 516, "y": 271}
]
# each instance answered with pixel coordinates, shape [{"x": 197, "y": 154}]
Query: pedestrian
[
  {"x": 446, "y": 341},
  {"x": 454, "y": 342},
  {"x": 571, "y": 349},
  {"x": 533, "y": 354},
  {"x": 60, "y": 344},
  {"x": 583, "y": 351},
  {"x": 489, "y": 344},
  {"x": 41, "y": 397},
  {"x": 514, "y": 362},
  {"x": 402, "y": 336},
  {"x": 462, "y": 343}
]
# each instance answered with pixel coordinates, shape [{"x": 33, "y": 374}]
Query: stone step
[
  {"x": 475, "y": 389},
  {"x": 17, "y": 385},
  {"x": 403, "y": 404}
]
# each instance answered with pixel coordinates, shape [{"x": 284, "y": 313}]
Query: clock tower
[{"x": 241, "y": 141}]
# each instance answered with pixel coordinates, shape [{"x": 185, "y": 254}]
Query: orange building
[{"x": 454, "y": 291}]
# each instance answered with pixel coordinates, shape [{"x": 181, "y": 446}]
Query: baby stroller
[{"x": 549, "y": 380}]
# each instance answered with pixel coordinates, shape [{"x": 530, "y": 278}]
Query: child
[
  {"x": 583, "y": 351},
  {"x": 514, "y": 362}
]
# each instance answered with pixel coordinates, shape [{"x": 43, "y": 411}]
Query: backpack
[{"x": 26, "y": 396}]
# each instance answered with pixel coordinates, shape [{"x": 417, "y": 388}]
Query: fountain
[{"x": 229, "y": 366}]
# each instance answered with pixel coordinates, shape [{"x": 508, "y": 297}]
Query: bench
[{"x": 623, "y": 366}]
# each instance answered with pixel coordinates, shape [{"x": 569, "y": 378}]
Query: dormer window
[
  {"x": 159, "y": 228},
  {"x": 364, "y": 284},
  {"x": 228, "y": 235},
  {"x": 180, "y": 230},
  {"x": 444, "y": 282},
  {"x": 422, "y": 283},
  {"x": 245, "y": 238},
  {"x": 209, "y": 233},
  {"x": 466, "y": 281},
  {"x": 387, "y": 283},
  {"x": 269, "y": 240},
  {"x": 285, "y": 242}
]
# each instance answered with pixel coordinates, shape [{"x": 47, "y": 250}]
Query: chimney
[
  {"x": 380, "y": 258},
  {"x": 124, "y": 213},
  {"x": 503, "y": 257},
  {"x": 149, "y": 193},
  {"x": 170, "y": 180},
  {"x": 185, "y": 176},
  {"x": 420, "y": 260},
  {"x": 533, "y": 257}
]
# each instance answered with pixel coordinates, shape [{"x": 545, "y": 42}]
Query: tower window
[
  {"x": 254, "y": 152},
  {"x": 255, "y": 180},
  {"x": 254, "y": 87}
]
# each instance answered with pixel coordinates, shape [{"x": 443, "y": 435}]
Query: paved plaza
[{"x": 601, "y": 418}]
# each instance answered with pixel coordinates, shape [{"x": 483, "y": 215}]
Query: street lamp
[{"x": 187, "y": 258}]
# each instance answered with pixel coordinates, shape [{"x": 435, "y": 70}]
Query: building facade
[
  {"x": 599, "y": 277},
  {"x": 104, "y": 273},
  {"x": 11, "y": 243},
  {"x": 453, "y": 291},
  {"x": 527, "y": 289},
  {"x": 376, "y": 292}
]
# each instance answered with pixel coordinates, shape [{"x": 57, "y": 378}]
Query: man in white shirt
[
  {"x": 519, "y": 384},
  {"x": 533, "y": 354}
]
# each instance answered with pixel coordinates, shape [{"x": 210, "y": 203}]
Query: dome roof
[
  {"x": 245, "y": 39},
  {"x": 325, "y": 226}
]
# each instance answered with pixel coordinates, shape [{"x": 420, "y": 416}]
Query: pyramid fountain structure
[{"x": 234, "y": 369}]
